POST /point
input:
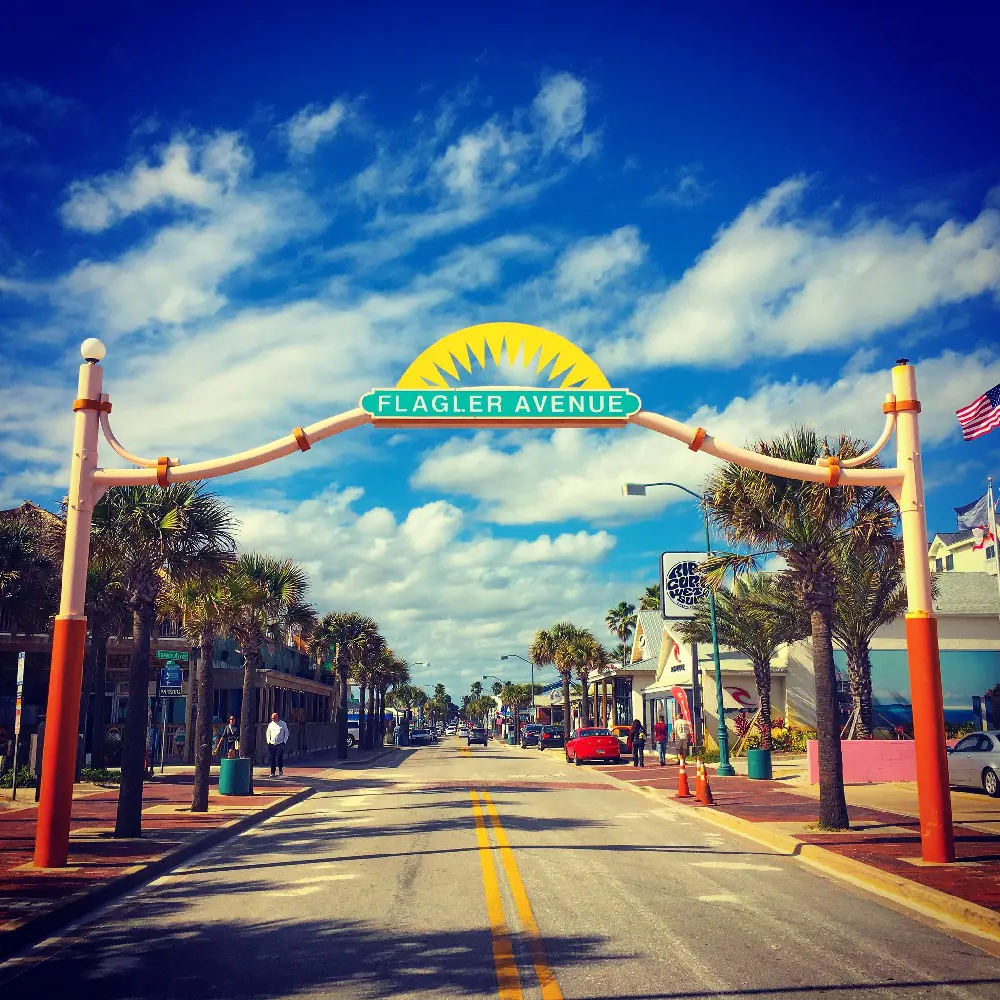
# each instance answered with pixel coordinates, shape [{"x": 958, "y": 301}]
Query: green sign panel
[
  {"x": 570, "y": 405},
  {"x": 172, "y": 654}
]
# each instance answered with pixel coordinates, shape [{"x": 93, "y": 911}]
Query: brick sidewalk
[
  {"x": 886, "y": 841},
  {"x": 33, "y": 902}
]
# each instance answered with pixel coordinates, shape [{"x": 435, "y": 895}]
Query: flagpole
[{"x": 992, "y": 526}]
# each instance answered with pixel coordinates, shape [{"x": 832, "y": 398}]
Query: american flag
[{"x": 981, "y": 416}]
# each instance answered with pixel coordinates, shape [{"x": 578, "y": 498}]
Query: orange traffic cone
[
  {"x": 683, "y": 791},
  {"x": 707, "y": 798},
  {"x": 699, "y": 780}
]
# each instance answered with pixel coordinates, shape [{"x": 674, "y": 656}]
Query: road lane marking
[
  {"x": 722, "y": 897},
  {"x": 508, "y": 980},
  {"x": 742, "y": 866},
  {"x": 546, "y": 977}
]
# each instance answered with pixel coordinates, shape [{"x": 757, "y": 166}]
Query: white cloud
[
  {"x": 590, "y": 264},
  {"x": 313, "y": 125},
  {"x": 197, "y": 174},
  {"x": 686, "y": 190},
  {"x": 578, "y": 474},
  {"x": 777, "y": 282},
  {"x": 439, "y": 593},
  {"x": 561, "y": 108}
]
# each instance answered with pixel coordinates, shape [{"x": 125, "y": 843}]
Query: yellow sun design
[{"x": 457, "y": 350}]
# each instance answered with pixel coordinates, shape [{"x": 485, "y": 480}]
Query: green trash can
[
  {"x": 759, "y": 764},
  {"x": 512, "y": 740},
  {"x": 234, "y": 776}
]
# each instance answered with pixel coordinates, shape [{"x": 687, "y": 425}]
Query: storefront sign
[
  {"x": 681, "y": 583},
  {"x": 20, "y": 692}
]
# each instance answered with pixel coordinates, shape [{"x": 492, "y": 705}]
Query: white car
[
  {"x": 450, "y": 731},
  {"x": 463, "y": 730},
  {"x": 974, "y": 762}
]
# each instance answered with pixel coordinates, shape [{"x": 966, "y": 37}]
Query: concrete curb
[
  {"x": 80, "y": 904},
  {"x": 960, "y": 913}
]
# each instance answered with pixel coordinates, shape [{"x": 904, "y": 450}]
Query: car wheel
[
  {"x": 568, "y": 761},
  {"x": 616, "y": 760},
  {"x": 576, "y": 760},
  {"x": 351, "y": 741},
  {"x": 991, "y": 783}
]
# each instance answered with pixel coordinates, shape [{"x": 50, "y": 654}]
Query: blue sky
[{"x": 745, "y": 216}]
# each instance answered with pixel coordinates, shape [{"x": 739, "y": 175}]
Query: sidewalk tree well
[
  {"x": 871, "y": 592},
  {"x": 757, "y": 616},
  {"x": 804, "y": 523},
  {"x": 155, "y": 532},
  {"x": 270, "y": 599}
]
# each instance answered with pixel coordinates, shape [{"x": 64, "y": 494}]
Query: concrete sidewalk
[
  {"x": 36, "y": 902},
  {"x": 881, "y": 851}
]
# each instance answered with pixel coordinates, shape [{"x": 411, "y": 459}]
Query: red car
[{"x": 592, "y": 744}]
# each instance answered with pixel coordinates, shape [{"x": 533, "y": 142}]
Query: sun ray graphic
[{"x": 443, "y": 363}]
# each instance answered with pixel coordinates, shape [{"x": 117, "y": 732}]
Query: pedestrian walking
[
  {"x": 660, "y": 739},
  {"x": 229, "y": 740},
  {"x": 682, "y": 737},
  {"x": 277, "y": 737},
  {"x": 637, "y": 740}
]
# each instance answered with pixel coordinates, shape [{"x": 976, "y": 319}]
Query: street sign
[
  {"x": 681, "y": 583},
  {"x": 172, "y": 654},
  {"x": 171, "y": 681},
  {"x": 20, "y": 691}
]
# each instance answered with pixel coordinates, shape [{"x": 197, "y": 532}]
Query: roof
[
  {"x": 650, "y": 623},
  {"x": 950, "y": 538},
  {"x": 967, "y": 594}
]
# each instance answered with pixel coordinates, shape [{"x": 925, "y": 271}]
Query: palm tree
[
  {"x": 153, "y": 533},
  {"x": 29, "y": 577},
  {"x": 804, "y": 523},
  {"x": 270, "y": 596},
  {"x": 208, "y": 608},
  {"x": 871, "y": 592},
  {"x": 374, "y": 650},
  {"x": 108, "y": 613},
  {"x": 621, "y": 621},
  {"x": 347, "y": 632},
  {"x": 553, "y": 646},
  {"x": 757, "y": 616},
  {"x": 650, "y": 600},
  {"x": 589, "y": 657}
]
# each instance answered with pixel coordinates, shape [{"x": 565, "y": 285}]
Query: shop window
[
  {"x": 939, "y": 565},
  {"x": 991, "y": 552},
  {"x": 949, "y": 563}
]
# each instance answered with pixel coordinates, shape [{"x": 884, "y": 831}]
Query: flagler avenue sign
[{"x": 499, "y": 403}]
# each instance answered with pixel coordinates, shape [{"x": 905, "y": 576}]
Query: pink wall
[{"x": 870, "y": 761}]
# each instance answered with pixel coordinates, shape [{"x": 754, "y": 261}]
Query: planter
[
  {"x": 234, "y": 776},
  {"x": 759, "y": 764}
]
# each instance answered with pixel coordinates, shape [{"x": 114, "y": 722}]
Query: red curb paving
[{"x": 884, "y": 840}]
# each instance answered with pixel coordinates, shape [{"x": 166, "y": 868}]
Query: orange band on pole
[
  {"x": 699, "y": 439},
  {"x": 834, "y": 477},
  {"x": 101, "y": 405},
  {"x": 300, "y": 439},
  {"x": 162, "y": 466},
  {"x": 902, "y": 404}
]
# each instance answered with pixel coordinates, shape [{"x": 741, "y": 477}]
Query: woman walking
[{"x": 637, "y": 739}]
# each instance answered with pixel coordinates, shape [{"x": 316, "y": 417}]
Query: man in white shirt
[
  {"x": 682, "y": 737},
  {"x": 277, "y": 737}
]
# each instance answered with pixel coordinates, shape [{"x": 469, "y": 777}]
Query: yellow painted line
[
  {"x": 508, "y": 981},
  {"x": 546, "y": 977}
]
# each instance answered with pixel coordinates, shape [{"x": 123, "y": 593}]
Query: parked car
[
  {"x": 352, "y": 736},
  {"x": 420, "y": 736},
  {"x": 463, "y": 730},
  {"x": 529, "y": 735},
  {"x": 550, "y": 737},
  {"x": 621, "y": 733},
  {"x": 592, "y": 744},
  {"x": 477, "y": 735},
  {"x": 974, "y": 762}
]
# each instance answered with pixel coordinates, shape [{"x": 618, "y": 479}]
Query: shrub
[
  {"x": 100, "y": 776},
  {"x": 25, "y": 779}
]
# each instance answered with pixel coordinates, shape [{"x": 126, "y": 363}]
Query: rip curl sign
[
  {"x": 577, "y": 393},
  {"x": 681, "y": 583}
]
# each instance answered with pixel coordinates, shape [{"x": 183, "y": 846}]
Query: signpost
[
  {"x": 17, "y": 724},
  {"x": 170, "y": 684}
]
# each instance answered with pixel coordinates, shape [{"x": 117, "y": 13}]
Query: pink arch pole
[{"x": 88, "y": 482}]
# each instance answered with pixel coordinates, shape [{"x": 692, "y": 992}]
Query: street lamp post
[
  {"x": 531, "y": 663},
  {"x": 725, "y": 768}
]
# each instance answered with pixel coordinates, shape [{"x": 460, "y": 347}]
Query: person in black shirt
[{"x": 229, "y": 741}]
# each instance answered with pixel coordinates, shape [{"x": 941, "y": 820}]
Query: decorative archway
[{"x": 429, "y": 394}]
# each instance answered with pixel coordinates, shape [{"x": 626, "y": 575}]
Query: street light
[
  {"x": 725, "y": 768},
  {"x": 531, "y": 663}
]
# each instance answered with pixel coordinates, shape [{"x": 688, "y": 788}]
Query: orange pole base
[
  {"x": 69, "y": 636},
  {"x": 934, "y": 798}
]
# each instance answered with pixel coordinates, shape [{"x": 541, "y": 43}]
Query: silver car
[{"x": 974, "y": 762}]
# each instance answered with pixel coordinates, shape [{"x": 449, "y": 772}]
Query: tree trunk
[
  {"x": 859, "y": 669},
  {"x": 762, "y": 678},
  {"x": 832, "y": 803},
  {"x": 97, "y": 720},
  {"x": 380, "y": 731},
  {"x": 248, "y": 720},
  {"x": 370, "y": 729},
  {"x": 584, "y": 700},
  {"x": 203, "y": 723},
  {"x": 362, "y": 692},
  {"x": 342, "y": 679},
  {"x": 565, "y": 686},
  {"x": 98, "y": 641},
  {"x": 129, "y": 819}
]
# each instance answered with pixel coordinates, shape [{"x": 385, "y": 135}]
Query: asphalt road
[{"x": 478, "y": 872}]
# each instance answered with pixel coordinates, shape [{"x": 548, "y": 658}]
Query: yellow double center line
[{"x": 508, "y": 979}]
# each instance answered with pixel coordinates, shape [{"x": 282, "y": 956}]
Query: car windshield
[
  {"x": 552, "y": 730},
  {"x": 532, "y": 728},
  {"x": 595, "y": 732}
]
